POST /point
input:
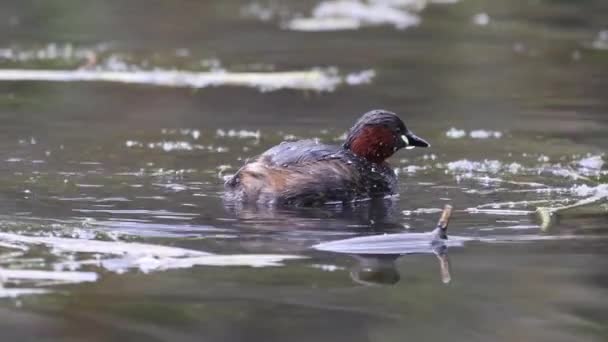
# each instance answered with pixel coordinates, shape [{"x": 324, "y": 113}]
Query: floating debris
[{"x": 592, "y": 204}]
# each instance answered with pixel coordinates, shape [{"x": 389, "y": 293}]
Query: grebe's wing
[{"x": 299, "y": 152}]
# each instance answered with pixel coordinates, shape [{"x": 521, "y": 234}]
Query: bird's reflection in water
[
  {"x": 376, "y": 255},
  {"x": 377, "y": 214},
  {"x": 380, "y": 269}
]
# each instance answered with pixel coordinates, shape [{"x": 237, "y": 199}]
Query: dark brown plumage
[{"x": 306, "y": 172}]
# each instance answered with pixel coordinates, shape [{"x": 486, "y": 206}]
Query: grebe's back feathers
[{"x": 299, "y": 152}]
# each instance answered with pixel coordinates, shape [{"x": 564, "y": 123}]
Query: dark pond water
[{"x": 112, "y": 225}]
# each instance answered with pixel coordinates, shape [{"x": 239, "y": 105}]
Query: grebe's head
[{"x": 378, "y": 134}]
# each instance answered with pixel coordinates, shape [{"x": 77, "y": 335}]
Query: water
[{"x": 113, "y": 154}]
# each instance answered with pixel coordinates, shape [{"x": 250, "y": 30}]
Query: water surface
[{"x": 119, "y": 121}]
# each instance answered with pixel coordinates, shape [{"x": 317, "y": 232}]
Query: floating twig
[
  {"x": 444, "y": 220},
  {"x": 546, "y": 214}
]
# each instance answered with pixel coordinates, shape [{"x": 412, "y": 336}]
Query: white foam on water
[
  {"x": 119, "y": 257},
  {"x": 112, "y": 256},
  {"x": 531, "y": 184},
  {"x": 485, "y": 134},
  {"x": 338, "y": 15},
  {"x": 316, "y": 79},
  {"x": 194, "y": 133},
  {"x": 535, "y": 237},
  {"x": 506, "y": 212},
  {"x": 172, "y": 186},
  {"x": 592, "y": 162},
  {"x": 481, "y": 19},
  {"x": 411, "y": 169},
  {"x": 410, "y": 5},
  {"x": 251, "y": 260},
  {"x": 584, "y": 190},
  {"x": 8, "y": 275},
  {"x": 17, "y": 292},
  {"x": 514, "y": 227},
  {"x": 322, "y": 24},
  {"x": 51, "y": 51},
  {"x": 456, "y": 133},
  {"x": 567, "y": 173},
  {"x": 491, "y": 166},
  {"x": 11, "y": 246},
  {"x": 258, "y": 11},
  {"x": 136, "y": 212},
  {"x": 89, "y": 185},
  {"x": 149, "y": 229},
  {"x": 327, "y": 268},
  {"x": 169, "y": 146},
  {"x": 362, "y": 77},
  {"x": 351, "y": 14},
  {"x": 516, "y": 204},
  {"x": 240, "y": 134},
  {"x": 421, "y": 211},
  {"x": 372, "y": 13},
  {"x": 101, "y": 247},
  {"x": 149, "y": 264}
]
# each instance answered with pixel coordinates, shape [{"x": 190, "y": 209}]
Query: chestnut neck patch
[{"x": 374, "y": 143}]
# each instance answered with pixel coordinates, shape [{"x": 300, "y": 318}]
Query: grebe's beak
[{"x": 411, "y": 140}]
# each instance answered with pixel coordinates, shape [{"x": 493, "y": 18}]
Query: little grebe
[{"x": 306, "y": 172}]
